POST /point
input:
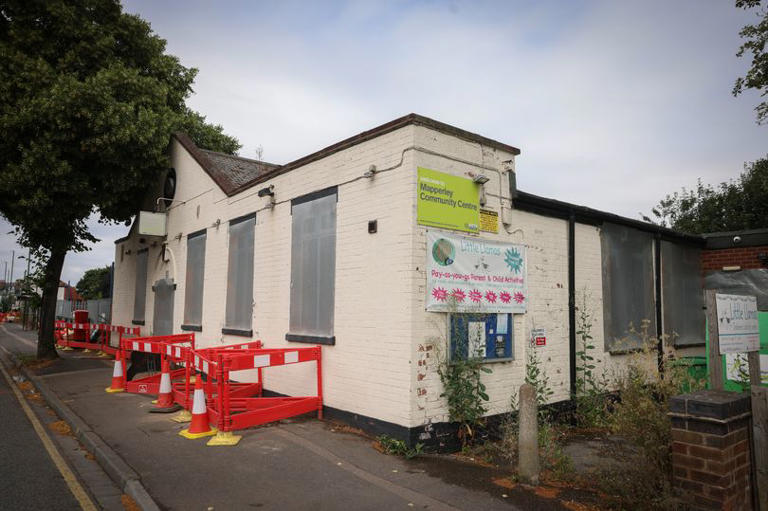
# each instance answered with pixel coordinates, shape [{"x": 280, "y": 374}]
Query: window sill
[
  {"x": 492, "y": 360},
  {"x": 237, "y": 331},
  {"x": 137, "y": 322},
  {"x": 312, "y": 339},
  {"x": 192, "y": 328}
]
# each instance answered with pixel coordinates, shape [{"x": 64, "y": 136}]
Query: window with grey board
[
  {"x": 313, "y": 268},
  {"x": 140, "y": 290},
  {"x": 628, "y": 286},
  {"x": 193, "y": 285},
  {"x": 240, "y": 276},
  {"x": 682, "y": 298}
]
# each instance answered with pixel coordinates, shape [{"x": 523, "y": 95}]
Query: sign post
[{"x": 734, "y": 319}]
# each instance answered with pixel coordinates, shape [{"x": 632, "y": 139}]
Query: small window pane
[
  {"x": 240, "y": 275},
  {"x": 193, "y": 292},
  {"x": 140, "y": 291},
  {"x": 628, "y": 286},
  {"x": 313, "y": 265},
  {"x": 682, "y": 297}
]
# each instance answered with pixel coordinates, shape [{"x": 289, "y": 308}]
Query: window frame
[{"x": 489, "y": 355}]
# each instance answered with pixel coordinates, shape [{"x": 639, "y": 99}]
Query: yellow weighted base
[
  {"x": 224, "y": 438},
  {"x": 192, "y": 436},
  {"x": 183, "y": 416},
  {"x": 113, "y": 391}
]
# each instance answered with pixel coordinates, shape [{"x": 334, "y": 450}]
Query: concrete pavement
[{"x": 295, "y": 464}]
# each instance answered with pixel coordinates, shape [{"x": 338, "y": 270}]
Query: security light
[{"x": 481, "y": 179}]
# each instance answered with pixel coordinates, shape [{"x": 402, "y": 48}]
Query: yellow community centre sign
[{"x": 447, "y": 202}]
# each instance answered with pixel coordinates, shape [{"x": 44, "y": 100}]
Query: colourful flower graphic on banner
[
  {"x": 505, "y": 297},
  {"x": 458, "y": 295},
  {"x": 440, "y": 294},
  {"x": 519, "y": 297},
  {"x": 514, "y": 260},
  {"x": 475, "y": 295},
  {"x": 490, "y": 296}
]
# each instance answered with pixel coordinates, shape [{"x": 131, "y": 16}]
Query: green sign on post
[{"x": 446, "y": 201}]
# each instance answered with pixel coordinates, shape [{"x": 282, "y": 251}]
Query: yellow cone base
[
  {"x": 224, "y": 438},
  {"x": 154, "y": 401},
  {"x": 67, "y": 348},
  {"x": 86, "y": 350},
  {"x": 183, "y": 416},
  {"x": 186, "y": 434},
  {"x": 112, "y": 391},
  {"x": 104, "y": 354}
]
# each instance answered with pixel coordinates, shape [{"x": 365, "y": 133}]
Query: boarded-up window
[
  {"x": 682, "y": 297},
  {"x": 193, "y": 291},
  {"x": 628, "y": 286},
  {"x": 240, "y": 275},
  {"x": 140, "y": 290},
  {"x": 313, "y": 265}
]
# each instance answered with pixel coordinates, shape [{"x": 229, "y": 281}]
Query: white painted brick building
[{"x": 380, "y": 371}]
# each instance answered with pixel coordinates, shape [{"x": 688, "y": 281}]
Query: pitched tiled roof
[
  {"x": 234, "y": 174},
  {"x": 229, "y": 172}
]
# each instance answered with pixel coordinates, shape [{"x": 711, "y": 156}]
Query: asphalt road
[{"x": 29, "y": 479}]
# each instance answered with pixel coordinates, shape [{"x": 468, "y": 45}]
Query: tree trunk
[{"x": 46, "y": 345}]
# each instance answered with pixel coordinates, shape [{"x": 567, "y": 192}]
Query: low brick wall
[{"x": 710, "y": 449}]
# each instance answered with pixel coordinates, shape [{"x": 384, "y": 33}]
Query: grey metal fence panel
[
  {"x": 240, "y": 275},
  {"x": 193, "y": 286},
  {"x": 313, "y": 267},
  {"x": 628, "y": 285},
  {"x": 140, "y": 296},
  {"x": 743, "y": 282},
  {"x": 682, "y": 297}
]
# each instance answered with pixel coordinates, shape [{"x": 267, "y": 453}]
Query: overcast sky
[{"x": 613, "y": 104}]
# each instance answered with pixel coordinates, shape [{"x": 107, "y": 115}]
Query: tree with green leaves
[
  {"x": 95, "y": 283},
  {"x": 88, "y": 102},
  {"x": 756, "y": 37},
  {"x": 732, "y": 206}
]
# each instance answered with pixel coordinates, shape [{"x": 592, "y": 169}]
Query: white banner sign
[
  {"x": 737, "y": 323},
  {"x": 473, "y": 275}
]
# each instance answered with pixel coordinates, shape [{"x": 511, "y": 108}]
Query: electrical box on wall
[{"x": 152, "y": 224}]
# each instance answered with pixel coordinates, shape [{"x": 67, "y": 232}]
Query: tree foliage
[
  {"x": 755, "y": 37},
  {"x": 88, "y": 101},
  {"x": 95, "y": 283},
  {"x": 731, "y": 206}
]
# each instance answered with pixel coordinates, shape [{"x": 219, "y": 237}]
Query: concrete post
[{"x": 528, "y": 436}]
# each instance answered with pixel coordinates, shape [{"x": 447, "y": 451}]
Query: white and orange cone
[
  {"x": 118, "y": 376},
  {"x": 164, "y": 402},
  {"x": 200, "y": 425}
]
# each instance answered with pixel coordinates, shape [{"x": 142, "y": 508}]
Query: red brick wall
[{"x": 746, "y": 257}]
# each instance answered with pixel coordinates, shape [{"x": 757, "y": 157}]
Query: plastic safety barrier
[
  {"x": 232, "y": 407},
  {"x": 173, "y": 348},
  {"x": 70, "y": 335}
]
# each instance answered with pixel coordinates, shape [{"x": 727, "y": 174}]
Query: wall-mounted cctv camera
[
  {"x": 269, "y": 191},
  {"x": 736, "y": 240}
]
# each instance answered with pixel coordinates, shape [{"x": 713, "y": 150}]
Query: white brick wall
[{"x": 387, "y": 346}]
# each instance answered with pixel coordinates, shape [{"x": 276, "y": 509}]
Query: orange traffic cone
[
  {"x": 118, "y": 376},
  {"x": 164, "y": 403},
  {"x": 200, "y": 426}
]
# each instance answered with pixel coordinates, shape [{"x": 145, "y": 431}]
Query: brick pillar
[{"x": 710, "y": 449}]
